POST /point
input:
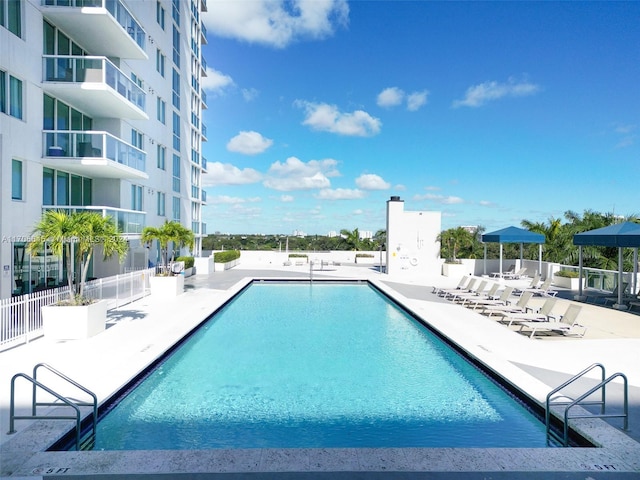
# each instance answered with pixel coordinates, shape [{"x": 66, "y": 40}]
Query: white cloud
[
  {"x": 250, "y": 94},
  {"x": 216, "y": 82},
  {"x": 417, "y": 100},
  {"x": 227, "y": 174},
  {"x": 339, "y": 194},
  {"x": 478, "y": 95},
  {"x": 370, "y": 181},
  {"x": 225, "y": 199},
  {"x": 249, "y": 143},
  {"x": 286, "y": 198},
  {"x": 442, "y": 199},
  {"x": 327, "y": 118},
  {"x": 294, "y": 174},
  {"x": 275, "y": 23},
  {"x": 486, "y": 203},
  {"x": 390, "y": 97}
]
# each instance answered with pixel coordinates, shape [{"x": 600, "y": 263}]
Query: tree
[
  {"x": 452, "y": 240},
  {"x": 170, "y": 232},
  {"x": 59, "y": 230},
  {"x": 352, "y": 238}
]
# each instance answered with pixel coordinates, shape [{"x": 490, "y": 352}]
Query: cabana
[
  {"x": 621, "y": 235},
  {"x": 513, "y": 235}
]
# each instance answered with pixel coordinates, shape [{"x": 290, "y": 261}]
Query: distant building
[
  {"x": 365, "y": 234},
  {"x": 412, "y": 240}
]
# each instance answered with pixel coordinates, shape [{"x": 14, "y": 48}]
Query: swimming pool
[{"x": 316, "y": 365}]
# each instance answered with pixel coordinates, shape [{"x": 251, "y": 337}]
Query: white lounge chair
[
  {"x": 469, "y": 288},
  {"x": 471, "y": 292},
  {"x": 521, "y": 273},
  {"x": 511, "y": 270},
  {"x": 567, "y": 325},
  {"x": 543, "y": 290},
  {"x": 503, "y": 299},
  {"x": 520, "y": 306},
  {"x": 490, "y": 294},
  {"x": 461, "y": 284},
  {"x": 543, "y": 315}
]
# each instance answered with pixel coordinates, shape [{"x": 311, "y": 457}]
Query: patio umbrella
[{"x": 513, "y": 235}]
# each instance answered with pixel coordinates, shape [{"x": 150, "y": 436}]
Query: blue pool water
[{"x": 316, "y": 365}]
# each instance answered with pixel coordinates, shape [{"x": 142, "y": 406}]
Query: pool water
[{"x": 311, "y": 366}]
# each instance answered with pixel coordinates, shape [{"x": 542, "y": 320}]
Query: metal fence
[{"x": 21, "y": 320}]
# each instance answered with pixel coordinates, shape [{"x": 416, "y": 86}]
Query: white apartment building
[{"x": 101, "y": 109}]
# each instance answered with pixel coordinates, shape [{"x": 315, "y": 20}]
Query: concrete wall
[{"x": 412, "y": 244}]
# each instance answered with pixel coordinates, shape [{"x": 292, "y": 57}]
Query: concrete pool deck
[{"x": 140, "y": 332}]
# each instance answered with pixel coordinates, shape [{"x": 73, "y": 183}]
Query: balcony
[
  {"x": 129, "y": 222},
  {"x": 103, "y": 27},
  {"x": 93, "y": 154},
  {"x": 203, "y": 34},
  {"x": 94, "y": 85}
]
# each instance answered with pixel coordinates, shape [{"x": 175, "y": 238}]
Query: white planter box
[
  {"x": 221, "y": 267},
  {"x": 203, "y": 265},
  {"x": 71, "y": 322},
  {"x": 454, "y": 270},
  {"x": 166, "y": 287},
  {"x": 566, "y": 282}
]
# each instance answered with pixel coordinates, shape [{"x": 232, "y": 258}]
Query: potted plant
[
  {"x": 566, "y": 279},
  {"x": 77, "y": 316},
  {"x": 167, "y": 281}
]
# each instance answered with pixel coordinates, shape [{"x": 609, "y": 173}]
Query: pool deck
[{"x": 140, "y": 332}]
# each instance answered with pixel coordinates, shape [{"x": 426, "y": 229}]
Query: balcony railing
[
  {"x": 117, "y": 10},
  {"x": 129, "y": 222},
  {"x": 92, "y": 144},
  {"x": 88, "y": 69}
]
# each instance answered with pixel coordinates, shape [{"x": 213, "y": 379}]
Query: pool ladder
[
  {"x": 569, "y": 403},
  {"x": 65, "y": 401}
]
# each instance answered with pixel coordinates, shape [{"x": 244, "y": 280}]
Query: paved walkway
[{"x": 140, "y": 332}]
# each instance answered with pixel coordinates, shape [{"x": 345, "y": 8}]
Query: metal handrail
[
  {"x": 624, "y": 415},
  {"x": 580, "y": 400},
  {"x": 93, "y": 404},
  {"x": 68, "y": 402}
]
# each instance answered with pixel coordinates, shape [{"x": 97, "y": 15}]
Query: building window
[
  {"x": 175, "y": 12},
  {"x": 176, "y": 209},
  {"x": 136, "y": 138},
  {"x": 160, "y": 61},
  {"x": 176, "y": 173},
  {"x": 160, "y": 15},
  {"x": 136, "y": 197},
  {"x": 176, "y": 47},
  {"x": 176, "y": 89},
  {"x": 176, "y": 131},
  {"x": 10, "y": 94},
  {"x": 11, "y": 16},
  {"x": 162, "y": 157},
  {"x": 161, "y": 204},
  {"x": 162, "y": 109},
  {"x": 16, "y": 180}
]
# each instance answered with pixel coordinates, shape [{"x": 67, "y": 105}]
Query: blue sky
[{"x": 490, "y": 112}]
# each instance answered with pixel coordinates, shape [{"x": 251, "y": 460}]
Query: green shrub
[
  {"x": 567, "y": 273},
  {"x": 188, "y": 261},
  {"x": 226, "y": 256},
  {"x": 364, "y": 255},
  {"x": 298, "y": 255}
]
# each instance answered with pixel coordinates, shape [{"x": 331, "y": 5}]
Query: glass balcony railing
[
  {"x": 204, "y": 164},
  {"x": 87, "y": 69},
  {"x": 129, "y": 222},
  {"x": 195, "y": 227},
  {"x": 204, "y": 195},
  {"x": 116, "y": 8},
  {"x": 91, "y": 143}
]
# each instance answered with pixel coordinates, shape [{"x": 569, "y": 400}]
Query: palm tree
[
  {"x": 59, "y": 230},
  {"x": 352, "y": 238},
  {"x": 170, "y": 232},
  {"x": 452, "y": 240}
]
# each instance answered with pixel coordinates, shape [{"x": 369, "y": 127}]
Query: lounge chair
[
  {"x": 512, "y": 269},
  {"x": 543, "y": 290},
  {"x": 605, "y": 295},
  {"x": 567, "y": 325},
  {"x": 521, "y": 306},
  {"x": 535, "y": 280},
  {"x": 543, "y": 315},
  {"x": 490, "y": 294},
  {"x": 522, "y": 273},
  {"x": 503, "y": 299},
  {"x": 471, "y": 292},
  {"x": 469, "y": 288},
  {"x": 463, "y": 281}
]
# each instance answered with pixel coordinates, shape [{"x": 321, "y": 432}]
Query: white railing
[{"x": 21, "y": 320}]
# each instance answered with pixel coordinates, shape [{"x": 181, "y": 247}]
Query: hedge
[{"x": 226, "y": 256}]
